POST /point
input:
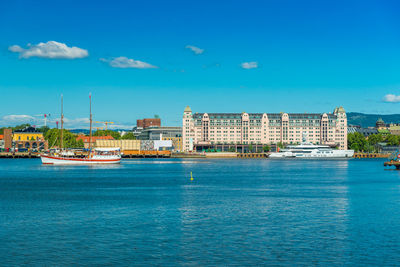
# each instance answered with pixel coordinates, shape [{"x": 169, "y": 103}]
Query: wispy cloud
[
  {"x": 69, "y": 123},
  {"x": 126, "y": 126},
  {"x": 250, "y": 65},
  {"x": 76, "y": 123},
  {"x": 124, "y": 62},
  {"x": 195, "y": 49},
  {"x": 51, "y": 49},
  {"x": 12, "y": 120},
  {"x": 390, "y": 98}
]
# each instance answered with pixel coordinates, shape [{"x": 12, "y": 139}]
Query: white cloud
[
  {"x": 69, "y": 123},
  {"x": 390, "y": 98},
  {"x": 250, "y": 65},
  {"x": 17, "y": 118},
  {"x": 126, "y": 126},
  {"x": 76, "y": 123},
  {"x": 13, "y": 120},
  {"x": 195, "y": 49},
  {"x": 124, "y": 62},
  {"x": 51, "y": 49}
]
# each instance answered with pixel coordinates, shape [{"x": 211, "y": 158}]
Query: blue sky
[{"x": 301, "y": 56}]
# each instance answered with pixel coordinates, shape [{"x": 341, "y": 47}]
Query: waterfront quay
[
  {"x": 18, "y": 155},
  {"x": 168, "y": 154}
]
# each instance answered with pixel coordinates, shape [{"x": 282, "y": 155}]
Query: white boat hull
[
  {"x": 338, "y": 154},
  {"x": 54, "y": 160}
]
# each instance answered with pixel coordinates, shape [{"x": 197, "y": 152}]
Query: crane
[
  {"x": 105, "y": 123},
  {"x": 46, "y": 116}
]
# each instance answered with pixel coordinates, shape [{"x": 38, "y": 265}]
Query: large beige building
[{"x": 263, "y": 128}]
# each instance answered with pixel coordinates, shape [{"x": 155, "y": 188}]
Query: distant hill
[
  {"x": 78, "y": 131},
  {"x": 369, "y": 120}
]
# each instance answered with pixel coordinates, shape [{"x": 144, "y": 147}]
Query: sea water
[{"x": 234, "y": 212}]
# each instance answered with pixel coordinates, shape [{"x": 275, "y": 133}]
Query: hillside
[{"x": 368, "y": 120}]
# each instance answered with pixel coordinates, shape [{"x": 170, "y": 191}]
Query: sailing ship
[{"x": 94, "y": 156}]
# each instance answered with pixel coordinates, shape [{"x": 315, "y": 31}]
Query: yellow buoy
[{"x": 191, "y": 176}]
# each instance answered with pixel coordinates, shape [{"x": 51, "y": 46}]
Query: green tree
[
  {"x": 375, "y": 139},
  {"x": 356, "y": 141},
  {"x": 369, "y": 148},
  {"x": 392, "y": 140},
  {"x": 114, "y": 134},
  {"x": 43, "y": 129},
  {"x": 128, "y": 136},
  {"x": 266, "y": 148},
  {"x": 69, "y": 139},
  {"x": 250, "y": 148},
  {"x": 280, "y": 145}
]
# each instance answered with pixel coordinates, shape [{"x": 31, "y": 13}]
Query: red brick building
[
  {"x": 85, "y": 139},
  {"x": 145, "y": 123}
]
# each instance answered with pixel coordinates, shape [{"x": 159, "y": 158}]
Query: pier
[
  {"x": 16, "y": 155},
  {"x": 145, "y": 154},
  {"x": 370, "y": 155},
  {"x": 253, "y": 155},
  {"x": 392, "y": 163}
]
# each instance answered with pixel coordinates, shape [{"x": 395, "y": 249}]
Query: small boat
[
  {"x": 95, "y": 156},
  {"x": 394, "y": 160}
]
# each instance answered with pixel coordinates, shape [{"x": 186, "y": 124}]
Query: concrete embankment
[
  {"x": 18, "y": 155},
  {"x": 370, "y": 155},
  {"x": 167, "y": 154},
  {"x": 216, "y": 155}
]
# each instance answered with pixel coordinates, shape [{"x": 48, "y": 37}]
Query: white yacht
[{"x": 309, "y": 150}]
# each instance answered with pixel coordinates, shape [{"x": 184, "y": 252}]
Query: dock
[
  {"x": 370, "y": 155},
  {"x": 18, "y": 155},
  {"x": 145, "y": 154},
  {"x": 253, "y": 155},
  {"x": 392, "y": 163}
]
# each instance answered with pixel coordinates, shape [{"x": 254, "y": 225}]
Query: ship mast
[
  {"x": 62, "y": 123},
  {"x": 90, "y": 135}
]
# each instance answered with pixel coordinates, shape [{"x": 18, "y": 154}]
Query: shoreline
[{"x": 216, "y": 155}]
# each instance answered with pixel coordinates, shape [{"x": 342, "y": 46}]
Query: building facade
[
  {"x": 1, "y": 142},
  {"x": 146, "y": 123},
  {"x": 86, "y": 139},
  {"x": 176, "y": 143},
  {"x": 263, "y": 128},
  {"x": 29, "y": 139},
  {"x": 158, "y": 133}
]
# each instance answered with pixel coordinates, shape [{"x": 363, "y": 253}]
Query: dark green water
[{"x": 234, "y": 212}]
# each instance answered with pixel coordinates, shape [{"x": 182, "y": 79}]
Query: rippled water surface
[{"x": 234, "y": 212}]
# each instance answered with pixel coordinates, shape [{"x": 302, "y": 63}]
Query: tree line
[{"x": 359, "y": 143}]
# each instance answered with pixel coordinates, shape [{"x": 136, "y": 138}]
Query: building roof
[
  {"x": 273, "y": 116},
  {"x": 363, "y": 131},
  {"x": 29, "y": 129},
  {"x": 339, "y": 110},
  {"x": 187, "y": 109},
  {"x": 85, "y": 139}
]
